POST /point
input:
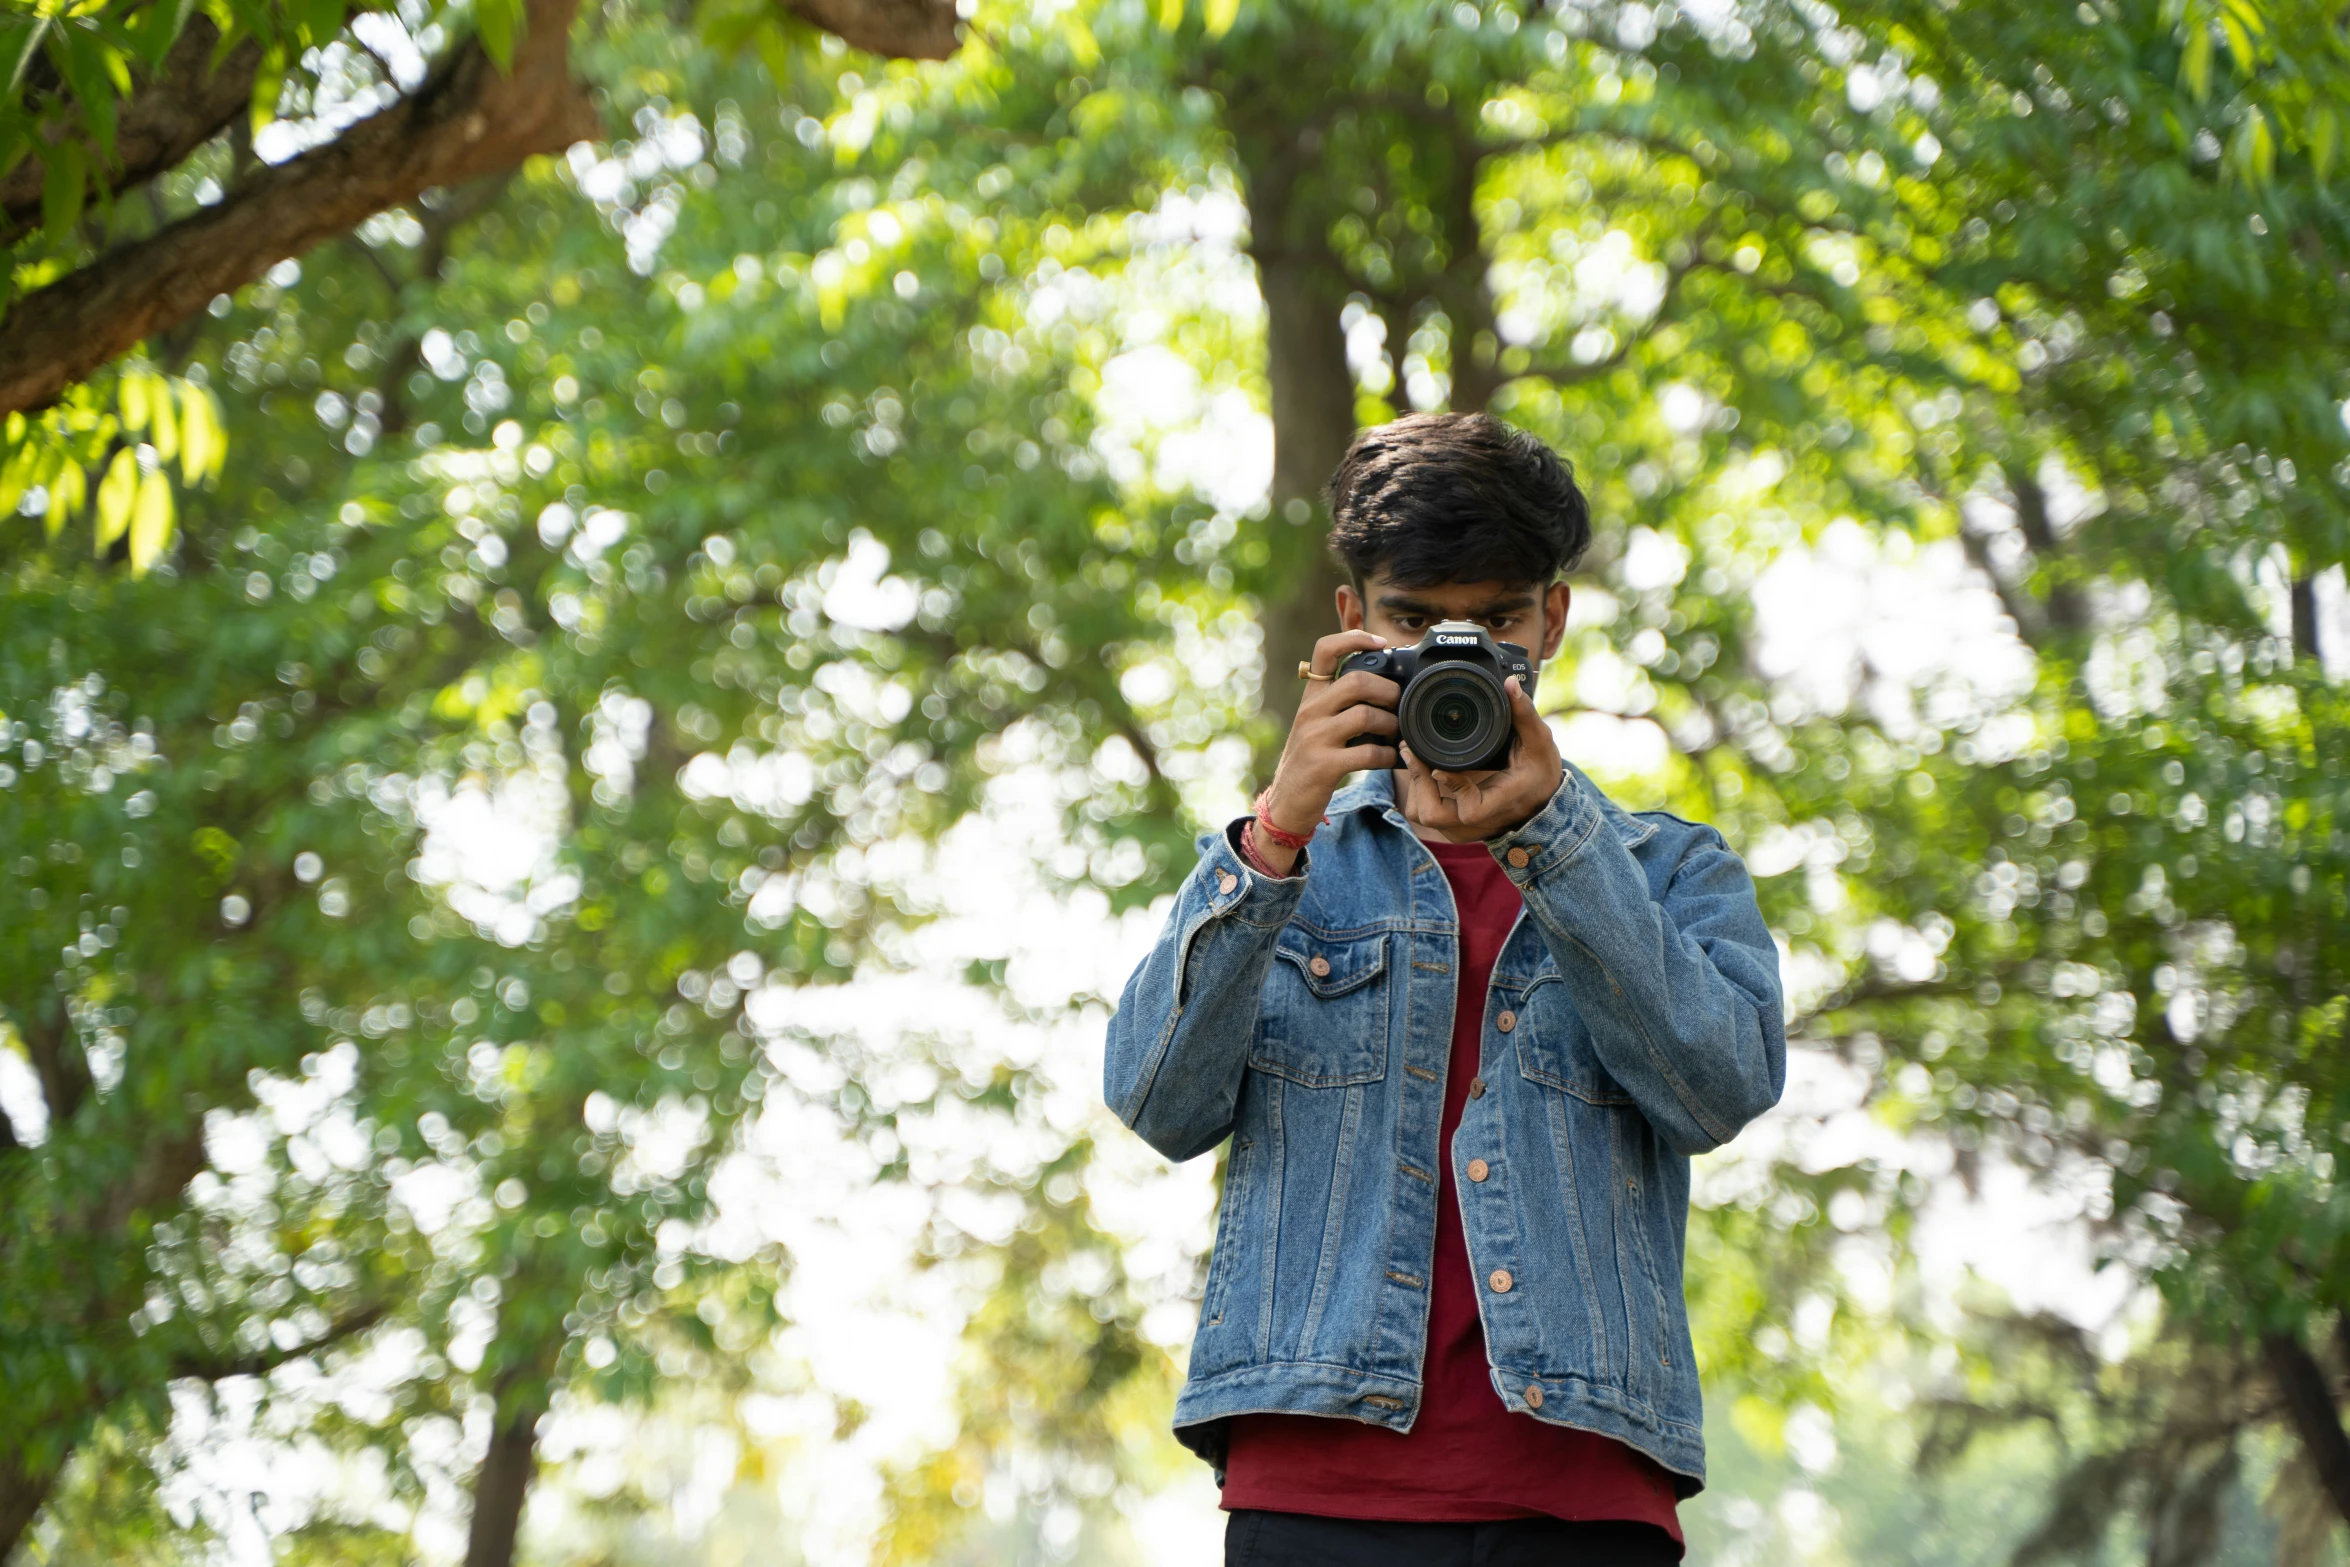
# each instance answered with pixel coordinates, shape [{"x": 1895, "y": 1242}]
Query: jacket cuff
[
  {"x": 1233, "y": 887},
  {"x": 1237, "y": 834},
  {"x": 1551, "y": 837}
]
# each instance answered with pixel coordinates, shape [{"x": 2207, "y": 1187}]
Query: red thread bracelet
[
  {"x": 1252, "y": 854},
  {"x": 1292, "y": 841}
]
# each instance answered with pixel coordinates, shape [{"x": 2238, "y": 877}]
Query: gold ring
[{"x": 1305, "y": 671}]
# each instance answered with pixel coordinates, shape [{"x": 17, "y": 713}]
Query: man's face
[{"x": 1527, "y": 613}]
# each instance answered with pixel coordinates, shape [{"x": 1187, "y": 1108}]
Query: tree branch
[
  {"x": 47, "y": 1030},
  {"x": 466, "y": 121},
  {"x": 212, "y": 1368},
  {"x": 184, "y": 104},
  {"x": 2067, "y": 611},
  {"x": 902, "y": 29}
]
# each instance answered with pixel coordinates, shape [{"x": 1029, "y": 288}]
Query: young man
[{"x": 1464, "y": 1043}]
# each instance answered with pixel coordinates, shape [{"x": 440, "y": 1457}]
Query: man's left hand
[{"x": 1471, "y": 807}]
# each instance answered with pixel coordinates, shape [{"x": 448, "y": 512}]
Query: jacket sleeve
[
  {"x": 1178, "y": 1044},
  {"x": 1682, "y": 995}
]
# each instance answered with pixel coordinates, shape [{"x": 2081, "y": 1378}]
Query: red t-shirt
[{"x": 1467, "y": 1457}]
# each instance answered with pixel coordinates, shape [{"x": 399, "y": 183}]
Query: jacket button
[
  {"x": 1476, "y": 1088},
  {"x": 1533, "y": 1396},
  {"x": 1501, "y": 1281},
  {"x": 1506, "y": 1022},
  {"x": 1519, "y": 857},
  {"x": 1479, "y": 1169},
  {"x": 1226, "y": 881},
  {"x": 1318, "y": 966}
]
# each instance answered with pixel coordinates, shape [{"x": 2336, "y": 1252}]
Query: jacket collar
[{"x": 1375, "y": 791}]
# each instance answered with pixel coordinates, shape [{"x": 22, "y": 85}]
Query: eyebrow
[{"x": 1405, "y": 604}]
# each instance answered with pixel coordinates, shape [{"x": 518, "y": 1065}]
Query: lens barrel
[{"x": 1456, "y": 716}]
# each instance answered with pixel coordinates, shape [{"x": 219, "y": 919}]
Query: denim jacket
[{"x": 1633, "y": 1019}]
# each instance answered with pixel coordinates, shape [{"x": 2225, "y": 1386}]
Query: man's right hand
[{"x": 1317, "y": 758}]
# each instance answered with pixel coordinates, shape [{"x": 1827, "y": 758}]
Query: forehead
[{"x": 1452, "y": 598}]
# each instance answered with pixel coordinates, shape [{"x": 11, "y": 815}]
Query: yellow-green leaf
[
  {"x": 132, "y": 394},
  {"x": 66, "y": 493},
  {"x": 2255, "y": 149},
  {"x": 2195, "y": 63},
  {"x": 151, "y": 521},
  {"x": 1170, "y": 15},
  {"x": 16, "y": 476},
  {"x": 200, "y": 442},
  {"x": 2324, "y": 132},
  {"x": 116, "y": 492},
  {"x": 1220, "y": 15},
  {"x": 2239, "y": 42},
  {"x": 163, "y": 429}
]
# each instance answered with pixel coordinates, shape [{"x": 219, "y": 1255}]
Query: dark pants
[{"x": 1255, "y": 1539}]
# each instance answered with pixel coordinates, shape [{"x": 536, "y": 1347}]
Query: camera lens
[
  {"x": 1453, "y": 717},
  {"x": 1456, "y": 716}
]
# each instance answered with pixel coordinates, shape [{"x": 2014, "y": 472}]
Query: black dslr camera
[{"x": 1454, "y": 714}]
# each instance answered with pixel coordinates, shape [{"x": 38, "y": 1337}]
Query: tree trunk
[
  {"x": 1313, "y": 394},
  {"x": 506, "y": 1470},
  {"x": 1468, "y": 295},
  {"x": 22, "y": 1491},
  {"x": 2309, "y": 1398}
]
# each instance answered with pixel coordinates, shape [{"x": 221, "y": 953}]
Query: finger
[
  {"x": 1330, "y": 649},
  {"x": 1360, "y": 685},
  {"x": 1527, "y": 722},
  {"x": 1364, "y": 719},
  {"x": 1378, "y": 758}
]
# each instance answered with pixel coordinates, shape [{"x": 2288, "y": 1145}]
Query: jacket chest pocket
[
  {"x": 1554, "y": 1047},
  {"x": 1324, "y": 1022}
]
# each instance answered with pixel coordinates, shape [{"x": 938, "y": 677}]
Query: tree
[
  {"x": 227, "y": 771},
  {"x": 1929, "y": 269},
  {"x": 2055, "y": 297},
  {"x": 114, "y": 100}
]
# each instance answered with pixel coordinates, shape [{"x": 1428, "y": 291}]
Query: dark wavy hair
[{"x": 1455, "y": 498}]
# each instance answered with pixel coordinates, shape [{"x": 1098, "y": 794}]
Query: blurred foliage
[{"x": 735, "y": 501}]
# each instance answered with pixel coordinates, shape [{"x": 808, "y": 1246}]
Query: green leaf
[
  {"x": 500, "y": 23},
  {"x": 2324, "y": 136},
  {"x": 151, "y": 522},
  {"x": 322, "y": 19},
  {"x": 156, "y": 30},
  {"x": 63, "y": 188},
  {"x": 116, "y": 492},
  {"x": 93, "y": 76},
  {"x": 1170, "y": 15},
  {"x": 1220, "y": 15}
]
